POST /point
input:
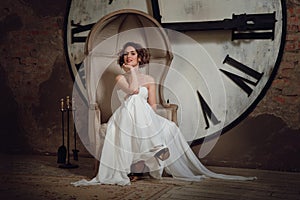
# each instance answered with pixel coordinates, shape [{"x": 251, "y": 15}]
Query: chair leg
[{"x": 96, "y": 167}]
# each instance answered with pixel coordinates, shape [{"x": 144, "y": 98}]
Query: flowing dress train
[{"x": 134, "y": 133}]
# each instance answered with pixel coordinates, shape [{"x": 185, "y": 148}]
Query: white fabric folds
[{"x": 132, "y": 132}]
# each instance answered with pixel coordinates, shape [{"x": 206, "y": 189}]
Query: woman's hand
[{"x": 127, "y": 68}]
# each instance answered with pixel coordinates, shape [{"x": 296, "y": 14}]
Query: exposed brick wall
[{"x": 35, "y": 70}]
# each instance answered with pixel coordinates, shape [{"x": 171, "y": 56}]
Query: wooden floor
[
  {"x": 39, "y": 177},
  {"x": 269, "y": 185}
]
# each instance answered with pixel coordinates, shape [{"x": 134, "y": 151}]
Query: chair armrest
[{"x": 168, "y": 111}]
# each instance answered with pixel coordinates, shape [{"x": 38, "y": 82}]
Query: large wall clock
[{"x": 226, "y": 53}]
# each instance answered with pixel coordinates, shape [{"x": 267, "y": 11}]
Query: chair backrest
[{"x": 103, "y": 45}]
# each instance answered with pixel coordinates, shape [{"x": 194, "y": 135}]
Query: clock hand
[
  {"x": 243, "y": 26},
  {"x": 242, "y": 22}
]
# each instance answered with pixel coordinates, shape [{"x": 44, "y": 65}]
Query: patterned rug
[{"x": 39, "y": 177}]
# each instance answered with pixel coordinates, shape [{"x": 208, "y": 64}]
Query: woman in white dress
[{"x": 136, "y": 134}]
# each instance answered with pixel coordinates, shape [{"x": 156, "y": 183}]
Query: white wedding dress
[{"x": 134, "y": 133}]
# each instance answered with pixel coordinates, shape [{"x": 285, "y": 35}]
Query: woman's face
[{"x": 130, "y": 56}]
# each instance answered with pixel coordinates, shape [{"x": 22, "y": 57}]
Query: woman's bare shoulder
[{"x": 149, "y": 78}]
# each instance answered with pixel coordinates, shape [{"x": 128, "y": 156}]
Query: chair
[{"x": 103, "y": 44}]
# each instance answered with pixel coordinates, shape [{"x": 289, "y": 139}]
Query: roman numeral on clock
[
  {"x": 76, "y": 29},
  {"x": 81, "y": 73},
  {"x": 241, "y": 81},
  {"x": 207, "y": 112}
]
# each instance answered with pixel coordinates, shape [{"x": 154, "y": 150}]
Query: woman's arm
[
  {"x": 152, "y": 94},
  {"x": 129, "y": 88}
]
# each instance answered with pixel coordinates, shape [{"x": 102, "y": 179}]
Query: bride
[{"x": 136, "y": 134}]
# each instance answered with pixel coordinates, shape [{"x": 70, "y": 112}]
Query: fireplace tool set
[{"x": 63, "y": 153}]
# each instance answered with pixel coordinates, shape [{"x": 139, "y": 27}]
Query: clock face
[{"x": 226, "y": 54}]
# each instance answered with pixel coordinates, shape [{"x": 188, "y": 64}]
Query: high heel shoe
[{"x": 163, "y": 154}]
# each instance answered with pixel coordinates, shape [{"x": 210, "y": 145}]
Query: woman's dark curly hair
[{"x": 143, "y": 54}]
